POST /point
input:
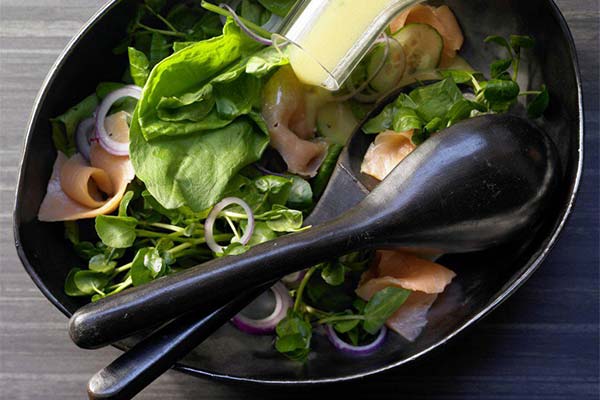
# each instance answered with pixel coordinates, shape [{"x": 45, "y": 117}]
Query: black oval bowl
[{"x": 484, "y": 279}]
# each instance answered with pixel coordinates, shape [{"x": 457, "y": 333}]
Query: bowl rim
[{"x": 530, "y": 267}]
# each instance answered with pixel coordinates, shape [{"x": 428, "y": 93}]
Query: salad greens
[
  {"x": 145, "y": 240},
  {"x": 326, "y": 296},
  {"x": 430, "y": 108},
  {"x": 195, "y": 136}
]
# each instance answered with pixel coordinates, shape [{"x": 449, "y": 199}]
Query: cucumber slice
[
  {"x": 422, "y": 46},
  {"x": 336, "y": 122},
  {"x": 392, "y": 70}
]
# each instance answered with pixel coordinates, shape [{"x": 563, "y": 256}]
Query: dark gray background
[{"x": 542, "y": 343}]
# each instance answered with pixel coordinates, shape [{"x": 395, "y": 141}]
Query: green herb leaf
[
  {"x": 327, "y": 167},
  {"x": 333, "y": 273},
  {"x": 278, "y": 7},
  {"x": 125, "y": 203},
  {"x": 65, "y": 126},
  {"x": 419, "y": 136},
  {"x": 266, "y": 60},
  {"x": 276, "y": 188},
  {"x": 331, "y": 298},
  {"x": 301, "y": 194},
  {"x": 188, "y": 71},
  {"x": 88, "y": 282},
  {"x": 537, "y": 106},
  {"x": 346, "y": 326},
  {"x": 500, "y": 41},
  {"x": 499, "y": 67},
  {"x": 293, "y": 336},
  {"x": 70, "y": 288},
  {"x": 139, "y": 66},
  {"x": 435, "y": 100},
  {"x": 254, "y": 12},
  {"x": 381, "y": 306},
  {"x": 194, "y": 170},
  {"x": 283, "y": 219},
  {"x": 383, "y": 121},
  {"x": 500, "y": 91},
  {"x": 519, "y": 42},
  {"x": 146, "y": 266},
  {"x": 462, "y": 110},
  {"x": 101, "y": 263},
  {"x": 103, "y": 89},
  {"x": 458, "y": 76},
  {"x": 262, "y": 233},
  {"x": 72, "y": 231},
  {"x": 406, "y": 119},
  {"x": 117, "y": 232}
]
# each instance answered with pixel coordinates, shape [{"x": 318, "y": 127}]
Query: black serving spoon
[
  {"x": 139, "y": 366},
  {"x": 475, "y": 185}
]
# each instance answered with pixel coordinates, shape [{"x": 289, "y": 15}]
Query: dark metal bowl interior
[{"x": 484, "y": 279}]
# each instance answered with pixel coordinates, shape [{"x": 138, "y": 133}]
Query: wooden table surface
[{"x": 541, "y": 344}]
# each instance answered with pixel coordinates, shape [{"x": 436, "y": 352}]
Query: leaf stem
[
  {"x": 161, "y": 31},
  {"x": 123, "y": 268},
  {"x": 232, "y": 226},
  {"x": 303, "y": 284},
  {"x": 337, "y": 318},
  {"x": 530, "y": 93},
  {"x": 169, "y": 227},
  {"x": 218, "y": 10},
  {"x": 163, "y": 19}
]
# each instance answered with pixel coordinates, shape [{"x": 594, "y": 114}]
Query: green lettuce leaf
[{"x": 194, "y": 170}]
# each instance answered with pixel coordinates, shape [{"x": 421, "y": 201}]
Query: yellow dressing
[{"x": 338, "y": 25}]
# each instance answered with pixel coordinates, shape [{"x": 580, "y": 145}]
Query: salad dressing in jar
[{"x": 328, "y": 38}]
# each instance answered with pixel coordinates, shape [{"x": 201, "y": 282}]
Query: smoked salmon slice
[
  {"x": 442, "y": 19},
  {"x": 292, "y": 135},
  {"x": 74, "y": 189},
  {"x": 404, "y": 270},
  {"x": 388, "y": 149}
]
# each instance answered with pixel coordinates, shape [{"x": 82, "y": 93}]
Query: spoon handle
[
  {"x": 138, "y": 367},
  {"x": 211, "y": 283}
]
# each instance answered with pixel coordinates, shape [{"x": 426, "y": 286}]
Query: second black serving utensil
[{"x": 477, "y": 184}]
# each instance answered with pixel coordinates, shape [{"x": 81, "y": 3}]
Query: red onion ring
[
  {"x": 110, "y": 145},
  {"x": 266, "y": 326},
  {"x": 355, "y": 350},
  {"x": 293, "y": 278},
  {"x": 212, "y": 217},
  {"x": 85, "y": 133}
]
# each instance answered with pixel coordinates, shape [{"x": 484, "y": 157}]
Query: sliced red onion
[
  {"x": 266, "y": 171},
  {"x": 294, "y": 277},
  {"x": 83, "y": 137},
  {"x": 212, "y": 217},
  {"x": 356, "y": 350},
  {"x": 110, "y": 145},
  {"x": 266, "y": 326}
]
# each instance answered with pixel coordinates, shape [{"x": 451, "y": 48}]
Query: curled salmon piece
[
  {"x": 388, "y": 149},
  {"x": 405, "y": 270},
  {"x": 77, "y": 190},
  {"x": 291, "y": 133},
  {"x": 442, "y": 19}
]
